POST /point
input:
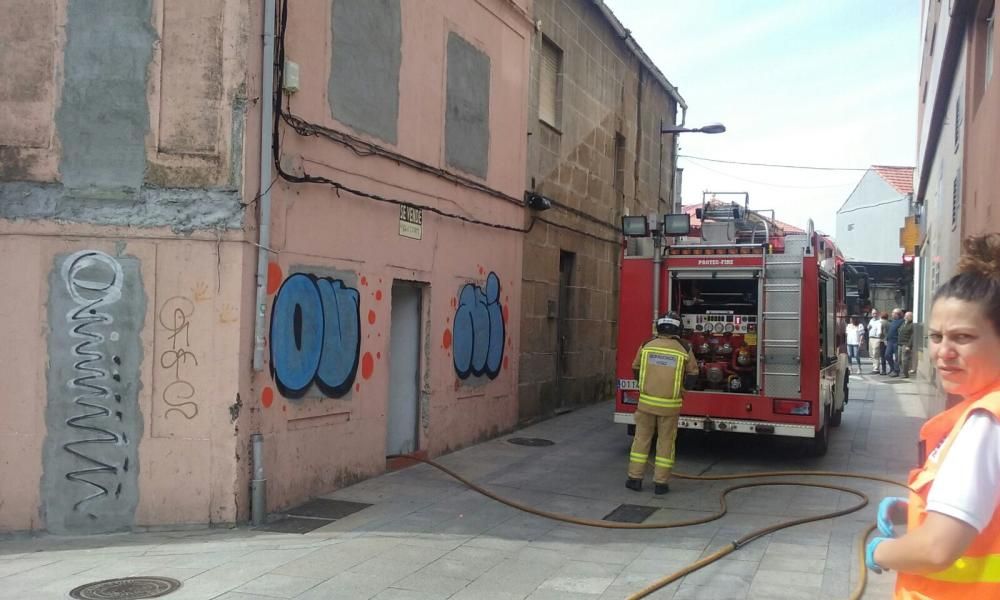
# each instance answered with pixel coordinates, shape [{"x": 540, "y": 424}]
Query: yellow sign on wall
[{"x": 909, "y": 236}]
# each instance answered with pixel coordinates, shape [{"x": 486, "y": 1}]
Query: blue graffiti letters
[
  {"x": 315, "y": 336},
  {"x": 479, "y": 330}
]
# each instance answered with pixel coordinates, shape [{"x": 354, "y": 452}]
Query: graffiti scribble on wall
[
  {"x": 96, "y": 309},
  {"x": 479, "y": 331},
  {"x": 315, "y": 336},
  {"x": 175, "y": 318}
]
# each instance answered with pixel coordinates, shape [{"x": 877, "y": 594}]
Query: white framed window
[{"x": 549, "y": 83}]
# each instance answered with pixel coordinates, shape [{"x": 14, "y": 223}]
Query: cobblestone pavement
[{"x": 426, "y": 537}]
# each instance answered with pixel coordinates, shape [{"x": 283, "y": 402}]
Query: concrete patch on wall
[
  {"x": 103, "y": 117},
  {"x": 181, "y": 209},
  {"x": 96, "y": 311},
  {"x": 467, "y": 107},
  {"x": 363, "y": 89}
]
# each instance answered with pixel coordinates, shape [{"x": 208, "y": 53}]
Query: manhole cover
[
  {"x": 630, "y": 513},
  {"x": 531, "y": 441},
  {"x": 126, "y": 588}
]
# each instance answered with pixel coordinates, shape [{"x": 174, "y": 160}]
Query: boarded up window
[
  {"x": 363, "y": 89},
  {"x": 548, "y": 83},
  {"x": 467, "y": 107}
]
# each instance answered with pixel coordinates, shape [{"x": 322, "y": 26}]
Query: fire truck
[{"x": 762, "y": 307}]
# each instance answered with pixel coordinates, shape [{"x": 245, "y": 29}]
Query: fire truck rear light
[{"x": 792, "y": 407}]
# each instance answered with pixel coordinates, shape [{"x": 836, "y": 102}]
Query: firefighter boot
[
  {"x": 661, "y": 488},
  {"x": 634, "y": 484}
]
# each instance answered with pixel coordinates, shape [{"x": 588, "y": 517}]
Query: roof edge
[{"x": 626, "y": 36}]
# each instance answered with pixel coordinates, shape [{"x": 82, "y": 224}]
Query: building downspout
[
  {"x": 266, "y": 158},
  {"x": 258, "y": 483}
]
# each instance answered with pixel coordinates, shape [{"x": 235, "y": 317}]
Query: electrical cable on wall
[{"x": 363, "y": 148}]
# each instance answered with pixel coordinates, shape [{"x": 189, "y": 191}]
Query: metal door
[{"x": 404, "y": 369}]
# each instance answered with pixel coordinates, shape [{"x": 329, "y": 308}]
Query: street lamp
[
  {"x": 710, "y": 128},
  {"x": 674, "y": 130}
]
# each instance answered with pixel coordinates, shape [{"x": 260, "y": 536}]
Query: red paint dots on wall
[
  {"x": 482, "y": 271},
  {"x": 357, "y": 387},
  {"x": 367, "y": 365},
  {"x": 446, "y": 340},
  {"x": 454, "y": 302},
  {"x": 378, "y": 295},
  {"x": 364, "y": 281},
  {"x": 506, "y": 362},
  {"x": 371, "y": 317},
  {"x": 378, "y": 355},
  {"x": 267, "y": 396},
  {"x": 273, "y": 277},
  {"x": 506, "y": 313},
  {"x": 284, "y": 408}
]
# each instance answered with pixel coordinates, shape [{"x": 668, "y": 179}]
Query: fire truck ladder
[{"x": 782, "y": 321}]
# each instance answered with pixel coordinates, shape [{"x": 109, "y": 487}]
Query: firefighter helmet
[{"x": 669, "y": 324}]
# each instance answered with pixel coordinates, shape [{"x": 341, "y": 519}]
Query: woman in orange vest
[{"x": 951, "y": 548}]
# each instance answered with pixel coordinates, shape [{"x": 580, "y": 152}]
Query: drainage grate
[
  {"x": 530, "y": 441},
  {"x": 325, "y": 508},
  {"x": 126, "y": 588},
  {"x": 293, "y": 525},
  {"x": 312, "y": 515},
  {"x": 630, "y": 513}
]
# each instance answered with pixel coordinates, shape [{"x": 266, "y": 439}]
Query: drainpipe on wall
[
  {"x": 266, "y": 158},
  {"x": 258, "y": 485}
]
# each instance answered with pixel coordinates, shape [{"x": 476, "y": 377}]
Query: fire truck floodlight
[
  {"x": 677, "y": 224},
  {"x": 635, "y": 226}
]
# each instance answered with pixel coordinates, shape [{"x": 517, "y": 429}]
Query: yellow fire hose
[{"x": 735, "y": 544}]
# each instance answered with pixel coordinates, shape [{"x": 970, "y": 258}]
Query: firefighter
[
  {"x": 664, "y": 366},
  {"x": 951, "y": 548}
]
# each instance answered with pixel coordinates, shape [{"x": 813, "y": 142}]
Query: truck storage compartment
[{"x": 720, "y": 317}]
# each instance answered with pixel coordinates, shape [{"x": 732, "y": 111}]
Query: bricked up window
[{"x": 619, "y": 166}]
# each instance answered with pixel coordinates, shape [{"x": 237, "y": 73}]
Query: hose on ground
[{"x": 856, "y": 593}]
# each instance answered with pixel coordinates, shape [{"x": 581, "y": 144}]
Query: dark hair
[{"x": 978, "y": 277}]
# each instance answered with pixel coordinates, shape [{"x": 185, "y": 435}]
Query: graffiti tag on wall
[
  {"x": 315, "y": 336},
  {"x": 479, "y": 330},
  {"x": 96, "y": 308},
  {"x": 175, "y": 317}
]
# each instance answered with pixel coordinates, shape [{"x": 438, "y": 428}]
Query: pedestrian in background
[
  {"x": 853, "y": 331},
  {"x": 892, "y": 342},
  {"x": 951, "y": 548},
  {"x": 906, "y": 343},
  {"x": 874, "y": 340},
  {"x": 664, "y": 367},
  {"x": 884, "y": 329}
]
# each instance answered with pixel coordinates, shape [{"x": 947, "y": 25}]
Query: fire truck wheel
[{"x": 821, "y": 443}]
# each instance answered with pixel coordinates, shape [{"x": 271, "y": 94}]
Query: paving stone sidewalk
[{"x": 426, "y": 537}]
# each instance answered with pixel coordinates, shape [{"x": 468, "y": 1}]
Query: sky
[{"x": 800, "y": 82}]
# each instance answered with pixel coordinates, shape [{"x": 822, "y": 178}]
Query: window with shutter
[{"x": 548, "y": 83}]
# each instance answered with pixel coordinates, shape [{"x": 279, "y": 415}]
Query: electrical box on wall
[{"x": 291, "y": 77}]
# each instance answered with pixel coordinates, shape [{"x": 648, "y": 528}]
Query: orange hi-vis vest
[{"x": 977, "y": 573}]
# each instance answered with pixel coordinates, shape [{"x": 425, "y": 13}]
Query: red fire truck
[{"x": 762, "y": 307}]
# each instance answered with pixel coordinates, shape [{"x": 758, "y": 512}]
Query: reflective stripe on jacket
[
  {"x": 977, "y": 573},
  {"x": 662, "y": 363}
]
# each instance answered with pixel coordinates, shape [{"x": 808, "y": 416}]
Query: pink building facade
[{"x": 129, "y": 204}]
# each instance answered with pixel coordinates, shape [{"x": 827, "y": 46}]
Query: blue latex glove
[
  {"x": 870, "y": 554},
  {"x": 885, "y": 510}
]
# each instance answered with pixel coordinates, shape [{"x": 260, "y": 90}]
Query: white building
[{"x": 869, "y": 220}]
